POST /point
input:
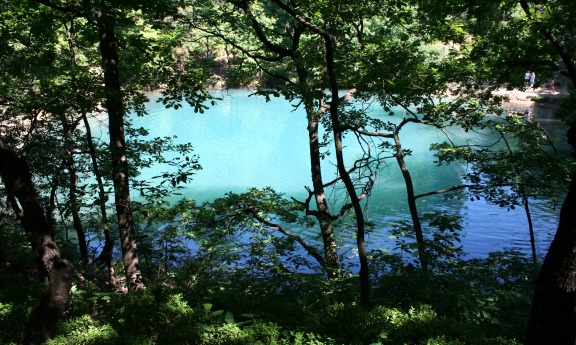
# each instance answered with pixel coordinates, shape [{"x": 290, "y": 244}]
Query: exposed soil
[{"x": 522, "y": 100}]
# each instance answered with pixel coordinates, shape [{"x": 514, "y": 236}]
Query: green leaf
[
  {"x": 229, "y": 317},
  {"x": 207, "y": 307}
]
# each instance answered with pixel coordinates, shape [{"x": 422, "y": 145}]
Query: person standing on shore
[
  {"x": 532, "y": 79},
  {"x": 527, "y": 78}
]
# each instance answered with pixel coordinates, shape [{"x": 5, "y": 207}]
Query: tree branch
[
  {"x": 309, "y": 248},
  {"x": 67, "y": 9}
]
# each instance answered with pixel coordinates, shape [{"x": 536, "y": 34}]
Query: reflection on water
[{"x": 246, "y": 142}]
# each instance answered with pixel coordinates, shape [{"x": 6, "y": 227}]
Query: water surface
[{"x": 248, "y": 142}]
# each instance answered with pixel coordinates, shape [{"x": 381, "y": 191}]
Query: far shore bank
[{"x": 522, "y": 100}]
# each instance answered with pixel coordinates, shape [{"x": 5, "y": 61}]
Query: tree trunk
[
  {"x": 526, "y": 205},
  {"x": 364, "y": 273},
  {"x": 51, "y": 206},
  {"x": 18, "y": 182},
  {"x": 324, "y": 217},
  {"x": 73, "y": 190},
  {"x": 553, "y": 315},
  {"x": 114, "y": 105},
  {"x": 412, "y": 203},
  {"x": 107, "y": 251},
  {"x": 323, "y": 209}
]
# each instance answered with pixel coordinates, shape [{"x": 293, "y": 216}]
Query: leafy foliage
[
  {"x": 488, "y": 298},
  {"x": 242, "y": 269}
]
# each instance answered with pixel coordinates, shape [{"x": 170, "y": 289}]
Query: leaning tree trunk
[
  {"x": 18, "y": 182},
  {"x": 114, "y": 105},
  {"x": 422, "y": 255},
  {"x": 553, "y": 315},
  {"x": 107, "y": 251}
]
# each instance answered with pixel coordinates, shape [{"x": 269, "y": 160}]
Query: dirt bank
[{"x": 522, "y": 100}]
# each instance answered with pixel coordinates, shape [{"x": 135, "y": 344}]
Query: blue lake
[{"x": 247, "y": 142}]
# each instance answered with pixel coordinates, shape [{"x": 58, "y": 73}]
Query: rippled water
[{"x": 248, "y": 142}]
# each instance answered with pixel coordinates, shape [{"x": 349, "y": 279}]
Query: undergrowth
[{"x": 471, "y": 302}]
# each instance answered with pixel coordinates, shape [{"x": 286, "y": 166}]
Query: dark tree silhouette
[
  {"x": 115, "y": 108},
  {"x": 553, "y": 315},
  {"x": 24, "y": 199}
]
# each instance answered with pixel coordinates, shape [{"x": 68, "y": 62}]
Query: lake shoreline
[{"x": 523, "y": 100}]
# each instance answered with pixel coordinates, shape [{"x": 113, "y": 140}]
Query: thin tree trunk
[
  {"x": 73, "y": 179},
  {"x": 18, "y": 182},
  {"x": 323, "y": 209},
  {"x": 553, "y": 315},
  {"x": 364, "y": 273},
  {"x": 114, "y": 105},
  {"x": 412, "y": 203},
  {"x": 73, "y": 191},
  {"x": 526, "y": 204},
  {"x": 323, "y": 215},
  {"x": 107, "y": 251},
  {"x": 399, "y": 155},
  {"x": 52, "y": 200}
]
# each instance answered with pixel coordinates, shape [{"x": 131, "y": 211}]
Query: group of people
[{"x": 529, "y": 79}]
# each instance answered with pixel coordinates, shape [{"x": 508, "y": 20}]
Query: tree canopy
[{"x": 70, "y": 65}]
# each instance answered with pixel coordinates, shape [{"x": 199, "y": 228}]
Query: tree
[
  {"x": 554, "y": 21},
  {"x": 105, "y": 255},
  {"x": 24, "y": 199},
  {"x": 285, "y": 72},
  {"x": 552, "y": 319},
  {"x": 115, "y": 108},
  {"x": 521, "y": 35},
  {"x": 148, "y": 62},
  {"x": 284, "y": 46},
  {"x": 114, "y": 103}
]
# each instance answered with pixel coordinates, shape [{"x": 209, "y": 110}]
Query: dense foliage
[
  {"x": 459, "y": 302},
  {"x": 236, "y": 270}
]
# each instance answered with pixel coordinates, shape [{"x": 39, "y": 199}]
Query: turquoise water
[{"x": 247, "y": 142}]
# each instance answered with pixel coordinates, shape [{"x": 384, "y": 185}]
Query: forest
[{"x": 92, "y": 251}]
